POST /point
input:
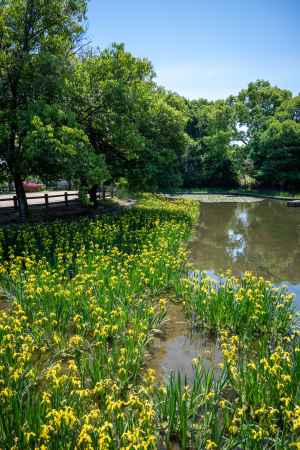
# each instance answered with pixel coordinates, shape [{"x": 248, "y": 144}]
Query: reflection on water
[
  {"x": 177, "y": 347},
  {"x": 263, "y": 237},
  {"x": 238, "y": 244}
]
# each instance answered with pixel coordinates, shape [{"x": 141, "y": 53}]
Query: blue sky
[{"x": 206, "y": 48}]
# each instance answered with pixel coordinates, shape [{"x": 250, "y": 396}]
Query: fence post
[
  {"x": 103, "y": 193},
  {"x": 112, "y": 191},
  {"x": 66, "y": 198},
  {"x": 46, "y": 201},
  {"x": 15, "y": 202}
]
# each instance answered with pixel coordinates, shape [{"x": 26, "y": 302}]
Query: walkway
[{"x": 32, "y": 200}]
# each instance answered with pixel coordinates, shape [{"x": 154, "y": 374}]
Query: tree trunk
[
  {"x": 93, "y": 195},
  {"x": 21, "y": 197}
]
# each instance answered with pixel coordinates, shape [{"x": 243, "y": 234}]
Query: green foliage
[
  {"x": 160, "y": 162},
  {"x": 257, "y": 103},
  {"x": 52, "y": 141},
  {"x": 270, "y": 119},
  {"x": 82, "y": 304},
  {"x": 188, "y": 412},
  {"x": 109, "y": 92},
  {"x": 277, "y": 155},
  {"x": 233, "y": 305},
  {"x": 37, "y": 39},
  {"x": 209, "y": 159},
  {"x": 259, "y": 338},
  {"x": 96, "y": 116},
  {"x": 136, "y": 126}
]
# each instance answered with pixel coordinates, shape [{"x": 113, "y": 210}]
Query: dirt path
[
  {"x": 32, "y": 200},
  {"x": 38, "y": 212}
]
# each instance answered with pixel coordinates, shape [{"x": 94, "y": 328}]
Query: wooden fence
[{"x": 65, "y": 199}]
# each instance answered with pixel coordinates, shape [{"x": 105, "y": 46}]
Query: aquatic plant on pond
[
  {"x": 78, "y": 316},
  {"x": 188, "y": 413},
  {"x": 80, "y": 303},
  {"x": 248, "y": 306},
  {"x": 259, "y": 337}
]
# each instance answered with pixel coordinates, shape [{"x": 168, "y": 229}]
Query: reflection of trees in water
[
  {"x": 275, "y": 239},
  {"x": 263, "y": 237}
]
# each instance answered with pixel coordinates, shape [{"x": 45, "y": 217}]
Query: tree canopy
[
  {"x": 38, "y": 38},
  {"x": 208, "y": 161}
]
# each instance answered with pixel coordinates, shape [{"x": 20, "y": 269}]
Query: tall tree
[
  {"x": 256, "y": 104},
  {"x": 159, "y": 163},
  {"x": 109, "y": 93},
  {"x": 208, "y": 160},
  {"x": 275, "y": 151},
  {"x": 252, "y": 110},
  {"x": 37, "y": 38},
  {"x": 138, "y": 127}
]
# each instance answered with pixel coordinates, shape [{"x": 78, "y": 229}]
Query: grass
[{"x": 81, "y": 302}]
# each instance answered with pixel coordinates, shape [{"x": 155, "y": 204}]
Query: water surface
[
  {"x": 260, "y": 236},
  {"x": 263, "y": 237},
  {"x": 178, "y": 345}
]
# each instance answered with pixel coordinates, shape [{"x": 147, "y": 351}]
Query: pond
[
  {"x": 260, "y": 236},
  {"x": 177, "y": 346}
]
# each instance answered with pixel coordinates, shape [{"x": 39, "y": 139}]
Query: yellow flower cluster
[{"x": 81, "y": 302}]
